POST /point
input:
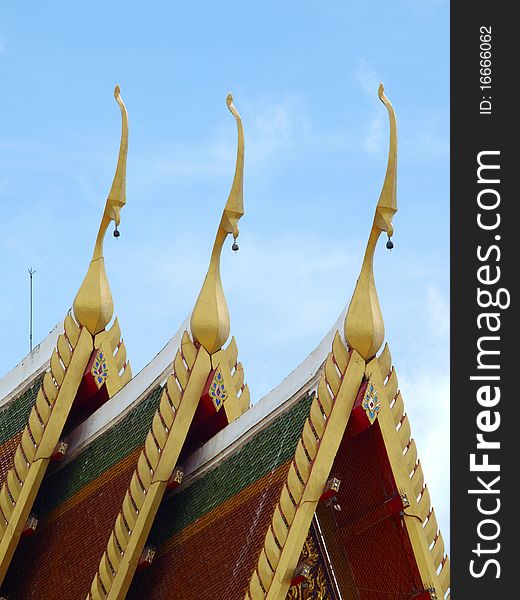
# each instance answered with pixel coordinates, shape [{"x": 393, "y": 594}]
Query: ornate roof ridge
[
  {"x": 85, "y": 350},
  {"x": 340, "y": 382},
  {"x": 156, "y": 372},
  {"x": 300, "y": 380},
  {"x": 204, "y": 378},
  {"x": 419, "y": 516}
]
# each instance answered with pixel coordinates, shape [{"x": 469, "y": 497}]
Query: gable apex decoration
[
  {"x": 93, "y": 306},
  {"x": 65, "y": 394},
  {"x": 210, "y": 324},
  {"x": 364, "y": 326}
]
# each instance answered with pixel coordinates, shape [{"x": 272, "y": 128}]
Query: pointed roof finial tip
[
  {"x": 381, "y": 89},
  {"x": 119, "y": 100},
  {"x": 209, "y": 323},
  {"x": 364, "y": 327},
  {"x": 93, "y": 306},
  {"x": 232, "y": 108}
]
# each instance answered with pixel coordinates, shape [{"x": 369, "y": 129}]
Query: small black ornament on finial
[
  {"x": 235, "y": 246},
  {"x": 116, "y": 232},
  {"x": 389, "y": 244}
]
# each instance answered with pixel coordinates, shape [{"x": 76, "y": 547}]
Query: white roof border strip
[
  {"x": 302, "y": 380},
  {"x": 21, "y": 377},
  {"x": 154, "y": 373}
]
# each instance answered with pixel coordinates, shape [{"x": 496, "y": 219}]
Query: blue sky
[{"x": 304, "y": 77}]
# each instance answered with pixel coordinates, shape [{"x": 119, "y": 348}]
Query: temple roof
[
  {"x": 80, "y": 364},
  {"x": 173, "y": 461}
]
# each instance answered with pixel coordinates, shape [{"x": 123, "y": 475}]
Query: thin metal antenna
[{"x": 31, "y": 273}]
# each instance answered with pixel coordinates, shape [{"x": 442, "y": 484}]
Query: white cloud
[
  {"x": 299, "y": 297},
  {"x": 204, "y": 159},
  {"x": 274, "y": 129},
  {"x": 367, "y": 78},
  {"x": 374, "y": 141},
  {"x": 277, "y": 126},
  {"x": 291, "y": 283}
]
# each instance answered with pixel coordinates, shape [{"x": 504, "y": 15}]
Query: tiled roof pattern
[
  {"x": 266, "y": 451},
  {"x": 213, "y": 557},
  {"x": 58, "y": 560},
  {"x": 209, "y": 535},
  {"x": 76, "y": 508},
  {"x": 105, "y": 451},
  {"x": 13, "y": 419},
  {"x": 78, "y": 504}
]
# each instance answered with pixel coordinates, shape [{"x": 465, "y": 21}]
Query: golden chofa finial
[
  {"x": 210, "y": 318},
  {"x": 93, "y": 305},
  {"x": 364, "y": 326}
]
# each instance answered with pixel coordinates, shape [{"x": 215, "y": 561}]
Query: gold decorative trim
[
  {"x": 119, "y": 371},
  {"x": 46, "y": 421},
  {"x": 308, "y": 473},
  {"x": 155, "y": 466},
  {"x": 217, "y": 390},
  {"x": 93, "y": 309},
  {"x": 232, "y": 371},
  {"x": 419, "y": 516},
  {"x": 331, "y": 408},
  {"x": 192, "y": 365}
]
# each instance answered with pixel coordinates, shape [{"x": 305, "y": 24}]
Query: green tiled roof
[
  {"x": 105, "y": 451},
  {"x": 14, "y": 416},
  {"x": 269, "y": 448}
]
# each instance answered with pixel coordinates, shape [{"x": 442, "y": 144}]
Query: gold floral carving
[{"x": 315, "y": 586}]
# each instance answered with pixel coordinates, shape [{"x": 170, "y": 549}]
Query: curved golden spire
[
  {"x": 93, "y": 305},
  {"x": 210, "y": 317},
  {"x": 364, "y": 326}
]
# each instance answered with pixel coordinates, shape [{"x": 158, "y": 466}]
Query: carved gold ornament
[
  {"x": 93, "y": 305},
  {"x": 210, "y": 325},
  {"x": 315, "y": 587},
  {"x": 364, "y": 326}
]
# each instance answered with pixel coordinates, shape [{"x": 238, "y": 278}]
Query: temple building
[{"x": 171, "y": 483}]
